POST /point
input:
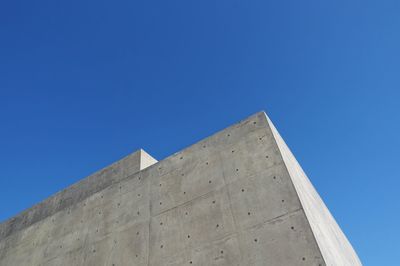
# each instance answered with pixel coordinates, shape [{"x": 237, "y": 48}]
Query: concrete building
[{"x": 238, "y": 197}]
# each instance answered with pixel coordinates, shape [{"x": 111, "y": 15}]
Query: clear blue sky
[{"x": 83, "y": 83}]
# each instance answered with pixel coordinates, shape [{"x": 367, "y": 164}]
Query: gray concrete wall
[{"x": 227, "y": 200}]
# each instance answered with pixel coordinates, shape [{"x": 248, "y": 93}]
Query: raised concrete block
[{"x": 238, "y": 197}]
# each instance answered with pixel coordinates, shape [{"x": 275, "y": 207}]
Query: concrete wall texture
[{"x": 238, "y": 197}]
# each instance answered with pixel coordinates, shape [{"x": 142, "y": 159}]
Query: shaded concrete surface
[{"x": 235, "y": 198}]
